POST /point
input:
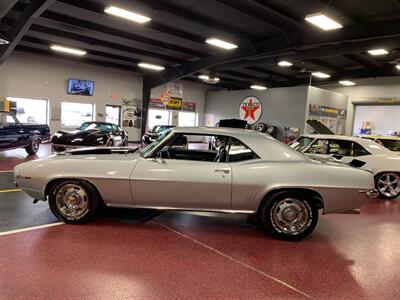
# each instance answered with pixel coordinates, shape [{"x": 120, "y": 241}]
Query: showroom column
[{"x": 145, "y": 107}]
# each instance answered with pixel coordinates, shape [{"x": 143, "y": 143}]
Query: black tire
[
  {"x": 33, "y": 147},
  {"x": 58, "y": 149},
  {"x": 268, "y": 215},
  {"x": 396, "y": 186},
  {"x": 92, "y": 199},
  {"x": 261, "y": 127},
  {"x": 272, "y": 131}
]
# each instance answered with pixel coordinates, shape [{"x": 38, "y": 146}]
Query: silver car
[{"x": 248, "y": 172}]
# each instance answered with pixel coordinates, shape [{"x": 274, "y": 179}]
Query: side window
[
  {"x": 359, "y": 150},
  {"x": 318, "y": 147},
  {"x": 237, "y": 151},
  {"x": 340, "y": 147}
]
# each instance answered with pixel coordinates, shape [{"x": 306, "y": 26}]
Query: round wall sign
[{"x": 250, "y": 109}]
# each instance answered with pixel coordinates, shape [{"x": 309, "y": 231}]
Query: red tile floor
[{"x": 183, "y": 255}]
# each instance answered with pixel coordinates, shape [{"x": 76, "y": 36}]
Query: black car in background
[
  {"x": 14, "y": 134},
  {"x": 90, "y": 134}
]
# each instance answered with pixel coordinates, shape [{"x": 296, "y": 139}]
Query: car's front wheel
[
  {"x": 73, "y": 201},
  {"x": 388, "y": 185},
  {"x": 289, "y": 216},
  {"x": 33, "y": 147}
]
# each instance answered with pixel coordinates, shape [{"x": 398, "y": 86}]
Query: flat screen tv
[{"x": 80, "y": 87}]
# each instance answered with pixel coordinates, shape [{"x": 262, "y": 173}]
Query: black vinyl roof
[{"x": 266, "y": 32}]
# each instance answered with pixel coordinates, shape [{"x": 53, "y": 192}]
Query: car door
[
  {"x": 11, "y": 132},
  {"x": 182, "y": 183}
]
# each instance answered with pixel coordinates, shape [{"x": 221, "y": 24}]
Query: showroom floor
[{"x": 148, "y": 254}]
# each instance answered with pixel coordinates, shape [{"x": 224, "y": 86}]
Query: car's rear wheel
[
  {"x": 74, "y": 201},
  {"x": 388, "y": 185},
  {"x": 33, "y": 147},
  {"x": 289, "y": 216}
]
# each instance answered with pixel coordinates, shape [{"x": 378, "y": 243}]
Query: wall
[
  {"x": 192, "y": 92},
  {"x": 281, "y": 106},
  {"x": 326, "y": 98},
  {"x": 384, "y": 87},
  {"x": 33, "y": 76}
]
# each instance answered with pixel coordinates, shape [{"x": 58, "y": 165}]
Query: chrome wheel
[
  {"x": 291, "y": 216},
  {"x": 72, "y": 201},
  {"x": 388, "y": 185}
]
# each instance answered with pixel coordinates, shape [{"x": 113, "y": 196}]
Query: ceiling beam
[
  {"x": 360, "y": 60},
  {"x": 351, "y": 39},
  {"x": 5, "y": 7},
  {"x": 87, "y": 27},
  {"x": 17, "y": 31},
  {"x": 264, "y": 70}
]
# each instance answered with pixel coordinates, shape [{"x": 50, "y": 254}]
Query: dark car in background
[
  {"x": 14, "y": 134},
  {"x": 90, "y": 134}
]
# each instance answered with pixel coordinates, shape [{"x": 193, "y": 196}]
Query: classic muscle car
[
  {"x": 364, "y": 153},
  {"x": 251, "y": 173},
  {"x": 90, "y": 134},
  {"x": 14, "y": 134}
]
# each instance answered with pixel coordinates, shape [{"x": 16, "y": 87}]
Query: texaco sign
[{"x": 250, "y": 109}]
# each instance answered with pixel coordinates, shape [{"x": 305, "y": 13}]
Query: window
[
  {"x": 6, "y": 120},
  {"x": 187, "y": 119},
  {"x": 113, "y": 114},
  {"x": 158, "y": 117},
  {"x": 337, "y": 147},
  {"x": 74, "y": 114},
  {"x": 228, "y": 149},
  {"x": 393, "y": 145},
  {"x": 301, "y": 143},
  {"x": 31, "y": 111}
]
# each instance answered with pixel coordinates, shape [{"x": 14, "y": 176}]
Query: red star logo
[{"x": 249, "y": 109}]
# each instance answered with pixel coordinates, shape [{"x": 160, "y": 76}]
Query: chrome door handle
[{"x": 226, "y": 171}]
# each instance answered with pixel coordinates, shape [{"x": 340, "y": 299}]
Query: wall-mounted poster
[
  {"x": 175, "y": 90},
  {"x": 156, "y": 103},
  {"x": 131, "y": 112},
  {"x": 189, "y": 106}
]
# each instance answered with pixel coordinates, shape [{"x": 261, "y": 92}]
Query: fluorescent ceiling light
[
  {"x": 284, "y": 63},
  {"x": 3, "y": 41},
  {"x": 347, "y": 82},
  {"x": 207, "y": 78},
  {"x": 126, "y": 14},
  {"x": 323, "y": 22},
  {"x": 398, "y": 67},
  {"x": 68, "y": 50},
  {"x": 151, "y": 66},
  {"x": 221, "y": 43},
  {"x": 378, "y": 52},
  {"x": 320, "y": 75},
  {"x": 258, "y": 87}
]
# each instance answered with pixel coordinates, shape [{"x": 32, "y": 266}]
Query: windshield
[
  {"x": 301, "y": 143},
  {"x": 149, "y": 148},
  {"x": 98, "y": 126},
  {"x": 393, "y": 145}
]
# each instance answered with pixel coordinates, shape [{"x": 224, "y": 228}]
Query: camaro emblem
[{"x": 250, "y": 109}]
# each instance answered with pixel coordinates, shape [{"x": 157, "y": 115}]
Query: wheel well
[
  {"x": 304, "y": 191},
  {"x": 53, "y": 182}
]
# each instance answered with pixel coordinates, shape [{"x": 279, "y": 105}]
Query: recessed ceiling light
[
  {"x": 378, "y": 52},
  {"x": 68, "y": 50},
  {"x": 320, "y": 75},
  {"x": 258, "y": 87},
  {"x": 347, "y": 82},
  {"x": 126, "y": 14},
  {"x": 151, "y": 66},
  {"x": 3, "y": 41},
  {"x": 221, "y": 44},
  {"x": 323, "y": 22},
  {"x": 285, "y": 63},
  {"x": 398, "y": 67}
]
